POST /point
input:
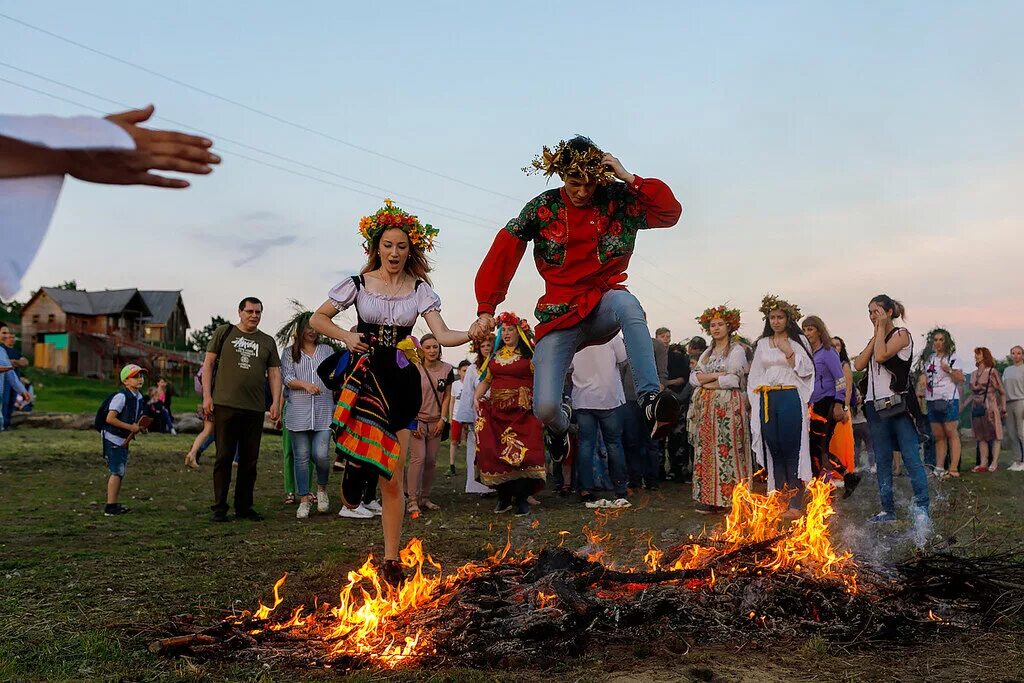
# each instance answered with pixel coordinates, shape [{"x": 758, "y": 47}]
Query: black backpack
[{"x": 99, "y": 423}]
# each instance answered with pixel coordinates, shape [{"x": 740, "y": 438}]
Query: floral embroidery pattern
[
  {"x": 544, "y": 221},
  {"x": 548, "y": 312}
]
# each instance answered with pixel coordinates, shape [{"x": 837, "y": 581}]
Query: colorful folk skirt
[
  {"x": 378, "y": 399},
  {"x": 510, "y": 443},
  {"x": 719, "y": 431}
]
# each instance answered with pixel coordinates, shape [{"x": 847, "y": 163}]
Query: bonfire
[{"x": 758, "y": 573}]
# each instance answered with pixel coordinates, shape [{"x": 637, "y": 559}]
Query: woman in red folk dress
[{"x": 510, "y": 442}]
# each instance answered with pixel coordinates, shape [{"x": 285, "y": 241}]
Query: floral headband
[
  {"x": 772, "y": 302},
  {"x": 390, "y": 216},
  {"x": 731, "y": 316},
  {"x": 586, "y": 164},
  {"x": 510, "y": 318}
]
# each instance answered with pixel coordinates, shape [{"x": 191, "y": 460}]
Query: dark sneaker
[
  {"x": 661, "y": 412},
  {"x": 522, "y": 507},
  {"x": 249, "y": 515},
  {"x": 850, "y": 481},
  {"x": 391, "y": 571},
  {"x": 219, "y": 516},
  {"x": 503, "y": 506},
  {"x": 114, "y": 510},
  {"x": 451, "y": 471},
  {"x": 558, "y": 445},
  {"x": 882, "y": 518}
]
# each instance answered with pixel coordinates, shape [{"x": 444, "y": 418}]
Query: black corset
[{"x": 383, "y": 335}]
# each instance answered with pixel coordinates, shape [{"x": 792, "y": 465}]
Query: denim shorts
[
  {"x": 952, "y": 413},
  {"x": 116, "y": 457}
]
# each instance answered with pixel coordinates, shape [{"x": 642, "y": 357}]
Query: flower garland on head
[
  {"x": 731, "y": 317},
  {"x": 771, "y": 302},
  {"x": 390, "y": 216},
  {"x": 565, "y": 161},
  {"x": 525, "y": 334}
]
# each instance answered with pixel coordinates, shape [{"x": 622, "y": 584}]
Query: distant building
[{"x": 92, "y": 333}]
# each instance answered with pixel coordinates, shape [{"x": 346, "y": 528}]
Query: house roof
[
  {"x": 161, "y": 304},
  {"x": 106, "y": 302}
]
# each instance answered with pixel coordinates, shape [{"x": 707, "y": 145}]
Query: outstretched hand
[{"x": 155, "y": 150}]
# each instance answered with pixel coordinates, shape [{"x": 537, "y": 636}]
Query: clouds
[{"x": 250, "y": 236}]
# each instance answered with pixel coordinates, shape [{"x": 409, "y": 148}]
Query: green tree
[
  {"x": 199, "y": 339},
  {"x": 71, "y": 285}
]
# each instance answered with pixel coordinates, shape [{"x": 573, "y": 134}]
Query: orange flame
[{"x": 369, "y": 619}]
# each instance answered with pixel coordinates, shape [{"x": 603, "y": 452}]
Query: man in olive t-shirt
[{"x": 235, "y": 397}]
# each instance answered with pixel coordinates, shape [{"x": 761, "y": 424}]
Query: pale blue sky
[{"x": 823, "y": 151}]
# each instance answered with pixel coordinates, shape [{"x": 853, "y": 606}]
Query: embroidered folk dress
[
  {"x": 580, "y": 252},
  {"x": 510, "y": 443},
  {"x": 382, "y": 391},
  {"x": 718, "y": 425}
]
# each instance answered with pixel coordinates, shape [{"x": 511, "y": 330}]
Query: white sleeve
[
  {"x": 27, "y": 204},
  {"x": 804, "y": 362},
  {"x": 343, "y": 294},
  {"x": 619, "y": 347},
  {"x": 736, "y": 367},
  {"x": 117, "y": 403},
  {"x": 427, "y": 299}
]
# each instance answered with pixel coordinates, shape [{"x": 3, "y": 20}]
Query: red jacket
[{"x": 580, "y": 252}]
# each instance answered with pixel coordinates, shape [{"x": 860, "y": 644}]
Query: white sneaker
[
  {"x": 374, "y": 507},
  {"x": 620, "y": 504},
  {"x": 323, "y": 503},
  {"x": 303, "y": 511},
  {"x": 359, "y": 513},
  {"x": 174, "y": 432},
  {"x": 598, "y": 504},
  {"x": 939, "y": 472},
  {"x": 1016, "y": 467}
]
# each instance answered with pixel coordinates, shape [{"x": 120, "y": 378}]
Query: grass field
[
  {"x": 82, "y": 592},
  {"x": 56, "y": 393}
]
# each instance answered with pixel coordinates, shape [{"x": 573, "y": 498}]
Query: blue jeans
[
  {"x": 305, "y": 444},
  {"x": 618, "y": 310},
  {"x": 609, "y": 422},
  {"x": 644, "y": 460},
  {"x": 781, "y": 435},
  {"x": 888, "y": 435}
]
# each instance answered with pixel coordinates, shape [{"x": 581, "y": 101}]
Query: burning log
[{"x": 759, "y": 575}]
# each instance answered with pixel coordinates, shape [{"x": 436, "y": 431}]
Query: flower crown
[
  {"x": 731, "y": 316},
  {"x": 565, "y": 161},
  {"x": 510, "y": 318},
  {"x": 390, "y": 216},
  {"x": 772, "y": 302}
]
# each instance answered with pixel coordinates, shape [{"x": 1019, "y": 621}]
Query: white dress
[{"x": 771, "y": 369}]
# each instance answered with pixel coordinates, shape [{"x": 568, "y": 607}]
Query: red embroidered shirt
[{"x": 580, "y": 252}]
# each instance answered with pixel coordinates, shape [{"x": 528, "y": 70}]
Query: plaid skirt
[{"x": 378, "y": 399}]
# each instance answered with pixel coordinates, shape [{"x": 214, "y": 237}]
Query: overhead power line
[{"x": 255, "y": 110}]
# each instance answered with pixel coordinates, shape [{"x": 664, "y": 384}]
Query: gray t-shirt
[
  {"x": 1013, "y": 382},
  {"x": 244, "y": 359}
]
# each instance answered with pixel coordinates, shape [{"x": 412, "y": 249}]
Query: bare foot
[
  {"x": 190, "y": 462},
  {"x": 430, "y": 505}
]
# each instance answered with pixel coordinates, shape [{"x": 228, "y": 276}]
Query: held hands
[
  {"x": 482, "y": 327},
  {"x": 616, "y": 167},
  {"x": 155, "y": 150}
]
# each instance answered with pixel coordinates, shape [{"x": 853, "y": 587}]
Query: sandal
[
  {"x": 289, "y": 499},
  {"x": 413, "y": 509}
]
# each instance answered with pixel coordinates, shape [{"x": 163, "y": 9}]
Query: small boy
[{"x": 126, "y": 410}]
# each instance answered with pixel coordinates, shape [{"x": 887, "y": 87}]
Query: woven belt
[{"x": 765, "y": 390}]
